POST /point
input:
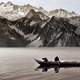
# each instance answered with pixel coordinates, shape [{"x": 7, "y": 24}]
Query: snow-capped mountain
[
  {"x": 14, "y": 12},
  {"x": 62, "y": 13},
  {"x": 28, "y": 26},
  {"x": 7, "y": 10}
]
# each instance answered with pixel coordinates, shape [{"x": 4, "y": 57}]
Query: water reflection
[
  {"x": 45, "y": 69},
  {"x": 55, "y": 68}
]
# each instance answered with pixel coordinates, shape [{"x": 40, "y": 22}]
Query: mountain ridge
[{"x": 12, "y": 11}]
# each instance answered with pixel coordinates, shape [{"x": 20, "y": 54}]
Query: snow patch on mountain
[
  {"x": 17, "y": 30},
  {"x": 12, "y": 38},
  {"x": 32, "y": 23},
  {"x": 36, "y": 43}
]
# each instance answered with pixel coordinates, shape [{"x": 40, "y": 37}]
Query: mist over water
[{"x": 19, "y": 64}]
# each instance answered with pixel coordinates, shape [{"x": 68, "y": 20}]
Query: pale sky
[{"x": 71, "y": 5}]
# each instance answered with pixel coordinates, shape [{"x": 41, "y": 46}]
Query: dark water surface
[{"x": 19, "y": 64}]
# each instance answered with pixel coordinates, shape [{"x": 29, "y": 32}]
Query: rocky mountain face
[
  {"x": 36, "y": 29},
  {"x": 58, "y": 32},
  {"x": 6, "y": 35},
  {"x": 75, "y": 21},
  {"x": 36, "y": 32},
  {"x": 22, "y": 32}
]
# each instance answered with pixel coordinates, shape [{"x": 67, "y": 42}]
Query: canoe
[{"x": 60, "y": 64}]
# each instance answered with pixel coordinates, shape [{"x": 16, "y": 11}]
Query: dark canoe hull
[{"x": 62, "y": 64}]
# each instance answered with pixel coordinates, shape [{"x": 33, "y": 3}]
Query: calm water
[{"x": 19, "y": 64}]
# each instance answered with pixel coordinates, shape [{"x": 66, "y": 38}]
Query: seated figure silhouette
[
  {"x": 45, "y": 59},
  {"x": 56, "y": 60}
]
